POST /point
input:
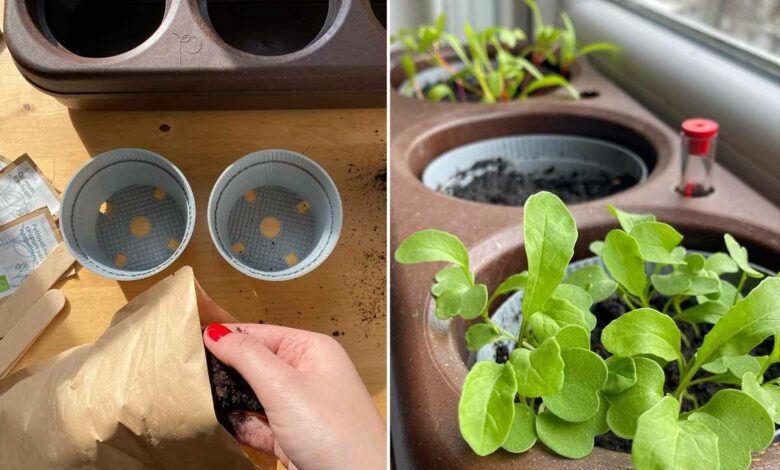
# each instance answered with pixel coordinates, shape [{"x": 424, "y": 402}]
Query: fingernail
[{"x": 215, "y": 331}]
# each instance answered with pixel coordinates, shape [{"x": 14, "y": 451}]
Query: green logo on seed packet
[{"x": 4, "y": 286}]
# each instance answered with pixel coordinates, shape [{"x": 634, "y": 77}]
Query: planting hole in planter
[
  {"x": 506, "y": 171},
  {"x": 97, "y": 28},
  {"x": 493, "y": 265},
  {"x": 587, "y": 145},
  {"x": 275, "y": 215},
  {"x": 267, "y": 27},
  {"x": 127, "y": 214},
  {"x": 379, "y": 7}
]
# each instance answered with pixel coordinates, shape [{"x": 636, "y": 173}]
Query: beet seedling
[{"x": 554, "y": 388}]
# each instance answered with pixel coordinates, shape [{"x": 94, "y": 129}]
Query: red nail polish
[{"x": 217, "y": 331}]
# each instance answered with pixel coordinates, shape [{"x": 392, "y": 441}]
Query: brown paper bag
[{"x": 137, "y": 398}]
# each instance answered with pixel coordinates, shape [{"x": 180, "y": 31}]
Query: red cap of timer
[{"x": 700, "y": 131}]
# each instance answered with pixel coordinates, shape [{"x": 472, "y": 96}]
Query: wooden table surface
[{"x": 345, "y": 297}]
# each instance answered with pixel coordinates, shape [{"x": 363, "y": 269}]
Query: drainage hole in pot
[
  {"x": 379, "y": 7},
  {"x": 267, "y": 28},
  {"x": 271, "y": 229},
  {"x": 139, "y": 227},
  {"x": 507, "y": 171},
  {"x": 98, "y": 28}
]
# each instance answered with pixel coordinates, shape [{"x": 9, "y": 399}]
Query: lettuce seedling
[
  {"x": 555, "y": 389},
  {"x": 569, "y": 51}
]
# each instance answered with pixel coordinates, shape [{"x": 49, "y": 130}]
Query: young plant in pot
[
  {"x": 565, "y": 384},
  {"x": 490, "y": 67}
]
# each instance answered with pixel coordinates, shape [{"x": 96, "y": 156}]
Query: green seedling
[
  {"x": 555, "y": 389},
  {"x": 569, "y": 51}
]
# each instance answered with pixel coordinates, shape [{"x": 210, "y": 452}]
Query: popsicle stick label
[
  {"x": 23, "y": 189},
  {"x": 24, "y": 244}
]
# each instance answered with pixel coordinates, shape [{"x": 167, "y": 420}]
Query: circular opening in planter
[
  {"x": 267, "y": 27},
  {"x": 379, "y": 7},
  {"x": 492, "y": 265},
  {"x": 508, "y": 170},
  {"x": 503, "y": 160},
  {"x": 97, "y": 28}
]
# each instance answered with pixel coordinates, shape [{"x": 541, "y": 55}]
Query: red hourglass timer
[{"x": 699, "y": 137}]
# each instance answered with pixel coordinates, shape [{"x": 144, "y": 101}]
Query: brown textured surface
[
  {"x": 344, "y": 67},
  {"x": 428, "y": 354}
]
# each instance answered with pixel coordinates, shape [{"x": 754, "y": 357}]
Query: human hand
[{"x": 319, "y": 413}]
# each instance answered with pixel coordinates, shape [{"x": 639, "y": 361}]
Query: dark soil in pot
[{"x": 496, "y": 181}]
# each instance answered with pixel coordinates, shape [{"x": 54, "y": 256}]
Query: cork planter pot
[
  {"x": 431, "y": 360},
  {"x": 201, "y": 54}
]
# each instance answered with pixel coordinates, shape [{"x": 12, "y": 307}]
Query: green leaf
[
  {"x": 664, "y": 442},
  {"x": 596, "y": 247},
  {"x": 576, "y": 295},
  {"x": 741, "y": 423},
  {"x": 550, "y": 81},
  {"x": 468, "y": 303},
  {"x": 550, "y": 233},
  {"x": 538, "y": 372},
  {"x": 594, "y": 280},
  {"x": 736, "y": 365},
  {"x": 487, "y": 406},
  {"x": 748, "y": 323},
  {"x": 572, "y": 440},
  {"x": 557, "y": 313},
  {"x": 621, "y": 374},
  {"x": 628, "y": 220},
  {"x": 407, "y": 62},
  {"x": 451, "y": 278},
  {"x": 708, "y": 312},
  {"x": 432, "y": 245},
  {"x": 671, "y": 284},
  {"x": 522, "y": 435},
  {"x": 694, "y": 263},
  {"x": 481, "y": 334},
  {"x": 573, "y": 336},
  {"x": 597, "y": 47},
  {"x": 624, "y": 261},
  {"x": 768, "y": 394},
  {"x": 657, "y": 241},
  {"x": 440, "y": 92},
  {"x": 627, "y": 406},
  {"x": 740, "y": 256},
  {"x": 643, "y": 331},
  {"x": 513, "y": 283},
  {"x": 721, "y": 263},
  {"x": 584, "y": 374}
]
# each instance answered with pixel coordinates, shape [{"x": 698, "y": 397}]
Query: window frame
[{"x": 708, "y": 36}]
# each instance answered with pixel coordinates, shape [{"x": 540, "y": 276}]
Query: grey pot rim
[{"x": 66, "y": 208}]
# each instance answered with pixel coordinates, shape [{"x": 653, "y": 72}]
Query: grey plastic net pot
[
  {"x": 127, "y": 214},
  {"x": 275, "y": 215},
  {"x": 535, "y": 153}
]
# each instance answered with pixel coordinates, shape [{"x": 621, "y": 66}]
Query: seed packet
[
  {"x": 24, "y": 189},
  {"x": 24, "y": 244}
]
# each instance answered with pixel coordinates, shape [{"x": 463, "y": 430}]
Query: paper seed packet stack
[{"x": 28, "y": 231}]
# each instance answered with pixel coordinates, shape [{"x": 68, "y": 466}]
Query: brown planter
[
  {"x": 428, "y": 355},
  {"x": 201, "y": 53}
]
